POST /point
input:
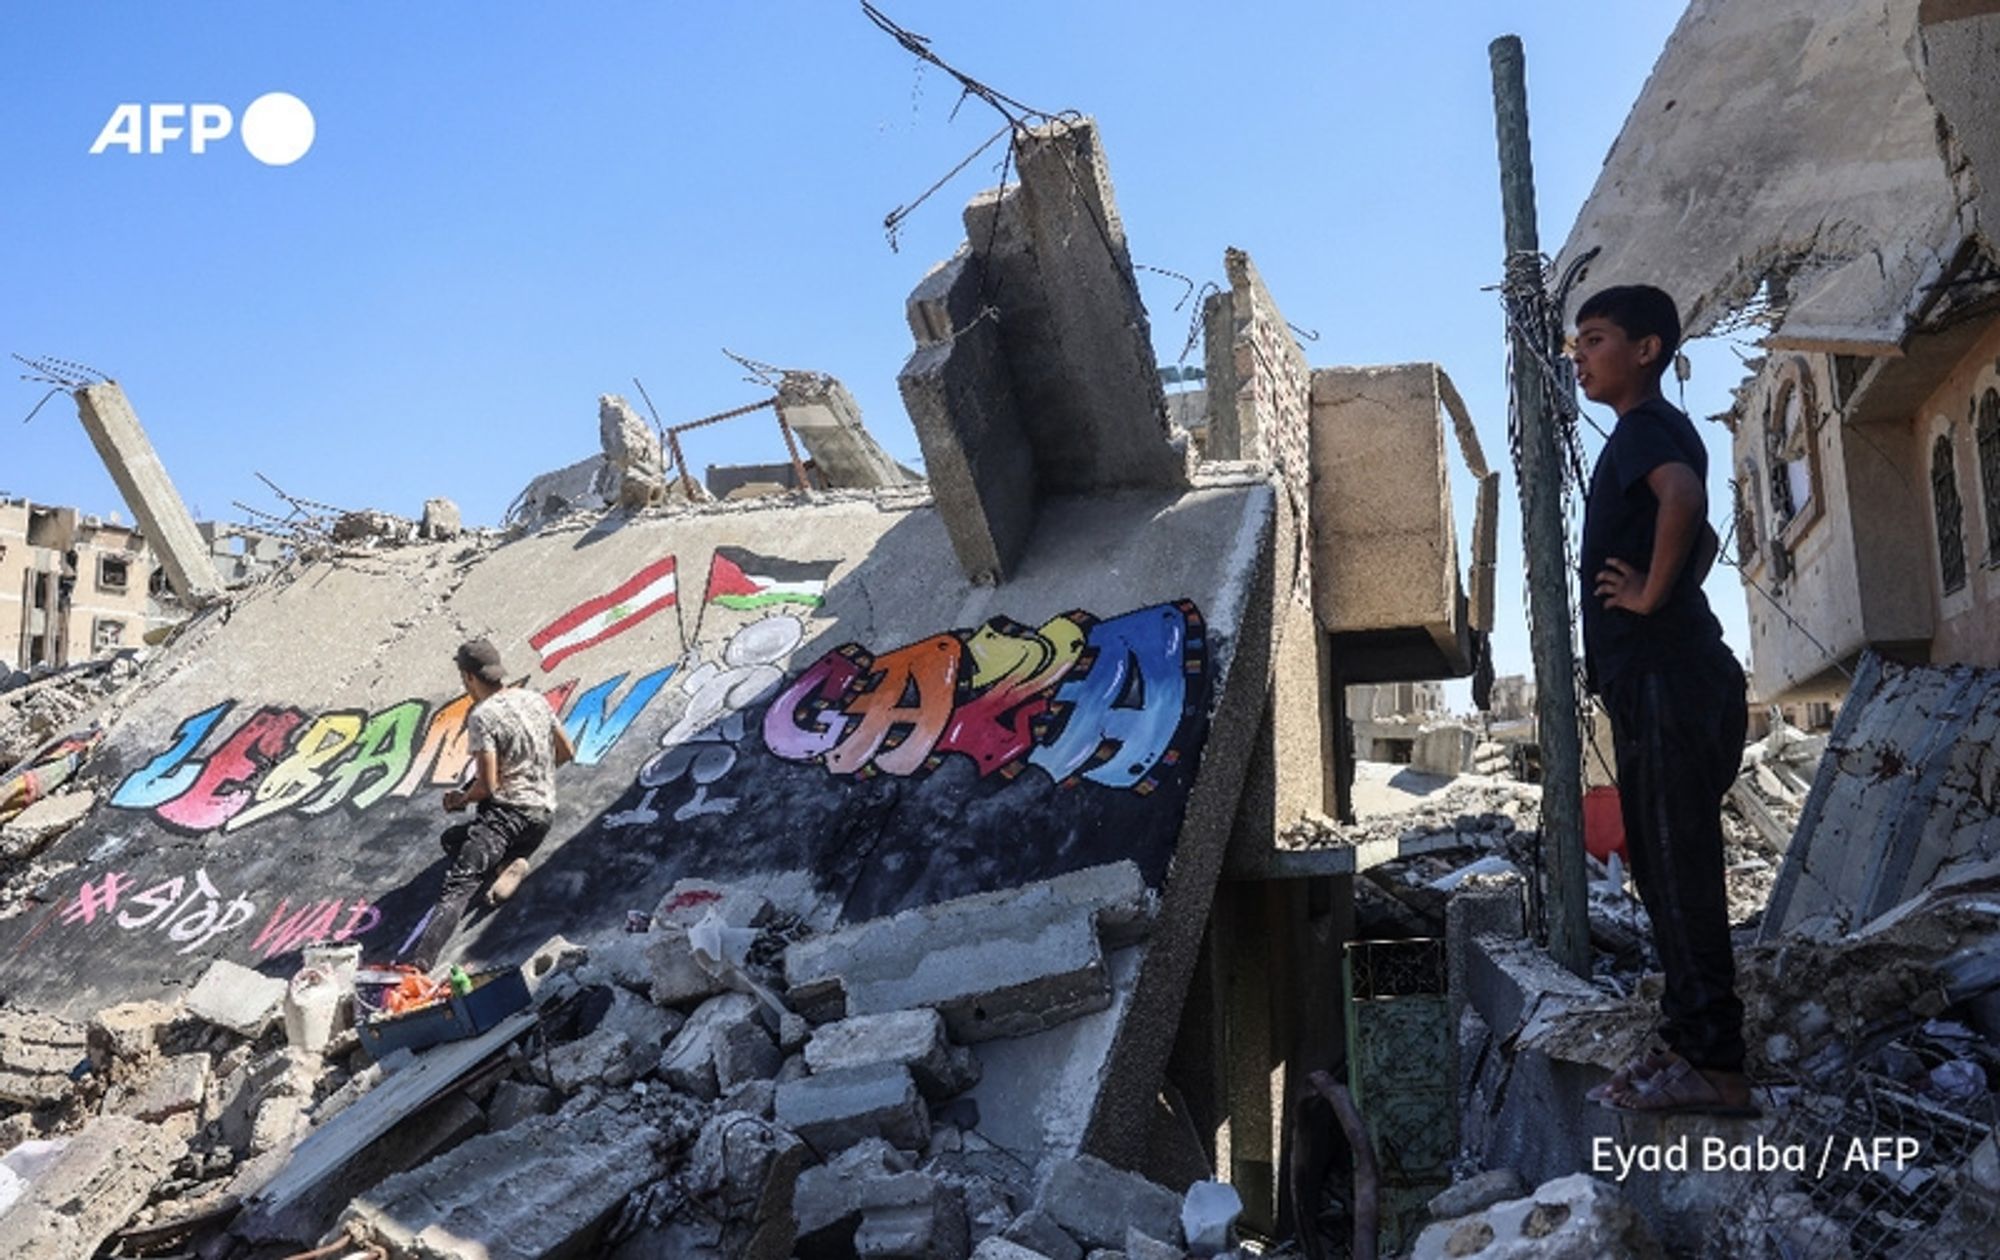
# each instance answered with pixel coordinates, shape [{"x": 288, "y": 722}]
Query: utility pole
[{"x": 1544, "y": 530}]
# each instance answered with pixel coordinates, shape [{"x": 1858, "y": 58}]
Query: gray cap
[{"x": 481, "y": 659}]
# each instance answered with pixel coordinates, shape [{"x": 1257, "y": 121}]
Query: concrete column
[{"x": 123, "y": 446}]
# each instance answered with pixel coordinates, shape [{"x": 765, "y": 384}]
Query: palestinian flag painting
[
  {"x": 608, "y": 615},
  {"x": 744, "y": 579}
]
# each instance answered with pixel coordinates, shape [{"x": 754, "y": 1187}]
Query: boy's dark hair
[{"x": 1639, "y": 310}]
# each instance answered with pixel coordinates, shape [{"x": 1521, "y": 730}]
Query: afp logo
[{"x": 277, "y": 128}]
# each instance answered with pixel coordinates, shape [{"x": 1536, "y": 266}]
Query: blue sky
[{"x": 510, "y": 210}]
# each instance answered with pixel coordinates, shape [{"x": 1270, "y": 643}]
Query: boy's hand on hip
[{"x": 1620, "y": 585}]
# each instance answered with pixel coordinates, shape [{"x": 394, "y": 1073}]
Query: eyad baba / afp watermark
[
  {"x": 277, "y": 128},
  {"x": 1759, "y": 1155}
]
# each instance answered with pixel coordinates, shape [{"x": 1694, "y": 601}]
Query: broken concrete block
[
  {"x": 177, "y": 1085},
  {"x": 440, "y": 521},
  {"x": 994, "y": 965},
  {"x": 759, "y": 1098},
  {"x": 744, "y": 1052},
  {"x": 281, "y": 1120},
  {"x": 999, "y": 1248},
  {"x": 676, "y": 976},
  {"x": 1208, "y": 1214},
  {"x": 689, "y": 1061},
  {"x": 92, "y": 1188},
  {"x": 515, "y": 1101},
  {"x": 912, "y": 1216},
  {"x": 828, "y": 420},
  {"x": 915, "y": 1039},
  {"x": 836, "y": 1190},
  {"x": 960, "y": 398},
  {"x": 1571, "y": 1218},
  {"x": 1481, "y": 1190},
  {"x": 632, "y": 452},
  {"x": 34, "y": 828},
  {"x": 232, "y": 996},
  {"x": 747, "y": 1166},
  {"x": 130, "y": 1030},
  {"x": 519, "y": 1195},
  {"x": 605, "y": 1057},
  {"x": 1037, "y": 1231},
  {"x": 556, "y": 956},
  {"x": 838, "y": 1109},
  {"x": 37, "y": 1054},
  {"x": 1096, "y": 1203}
]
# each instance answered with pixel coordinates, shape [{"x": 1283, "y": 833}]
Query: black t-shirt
[{"x": 1619, "y": 517}]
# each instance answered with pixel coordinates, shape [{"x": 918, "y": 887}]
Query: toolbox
[{"x": 494, "y": 996}]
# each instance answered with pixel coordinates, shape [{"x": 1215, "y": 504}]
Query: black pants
[
  {"x": 496, "y": 836},
  {"x": 1679, "y": 739}
]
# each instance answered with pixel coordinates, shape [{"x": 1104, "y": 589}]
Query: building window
[
  {"x": 1950, "y": 515},
  {"x": 113, "y": 574},
  {"x": 1989, "y": 469},
  {"x": 1788, "y": 439},
  {"x": 106, "y": 635}
]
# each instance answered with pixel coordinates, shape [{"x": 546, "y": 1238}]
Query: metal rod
[
  {"x": 720, "y": 416},
  {"x": 1367, "y": 1178},
  {"x": 792, "y": 448},
  {"x": 680, "y": 461},
  {"x": 1545, "y": 535}
]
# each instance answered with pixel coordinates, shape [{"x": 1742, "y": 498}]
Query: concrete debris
[
  {"x": 372, "y": 527},
  {"x": 518, "y": 1195},
  {"x": 711, "y": 1040},
  {"x": 38, "y": 1054},
  {"x": 179, "y": 1084},
  {"x": 129, "y": 1030},
  {"x": 836, "y": 1109},
  {"x": 1572, "y": 1218},
  {"x": 1208, "y": 1216},
  {"x": 91, "y": 1189},
  {"x": 994, "y": 965},
  {"x": 632, "y": 455},
  {"x": 1036, "y": 1231},
  {"x": 914, "y": 1039},
  {"x": 440, "y": 521},
  {"x": 34, "y": 828},
  {"x": 230, "y": 995},
  {"x": 1097, "y": 1204}
]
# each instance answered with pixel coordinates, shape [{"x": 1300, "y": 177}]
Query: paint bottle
[{"x": 461, "y": 984}]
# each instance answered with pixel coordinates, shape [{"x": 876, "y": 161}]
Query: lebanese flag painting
[
  {"x": 607, "y": 616},
  {"x": 744, "y": 579}
]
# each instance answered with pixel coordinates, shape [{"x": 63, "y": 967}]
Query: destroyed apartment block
[{"x": 944, "y": 870}]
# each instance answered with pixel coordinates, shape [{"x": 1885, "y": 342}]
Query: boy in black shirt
[{"x": 1653, "y": 652}]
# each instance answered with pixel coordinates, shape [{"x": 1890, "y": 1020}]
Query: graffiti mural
[
  {"x": 191, "y": 913},
  {"x": 609, "y": 615},
  {"x": 276, "y": 762},
  {"x": 1082, "y": 699}
]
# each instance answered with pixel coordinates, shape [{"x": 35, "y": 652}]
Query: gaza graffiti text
[
  {"x": 1112, "y": 701},
  {"x": 280, "y": 760}
]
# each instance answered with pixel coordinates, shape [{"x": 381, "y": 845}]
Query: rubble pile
[
  {"x": 720, "y": 1084},
  {"x": 1760, "y": 814},
  {"x": 33, "y": 712}
]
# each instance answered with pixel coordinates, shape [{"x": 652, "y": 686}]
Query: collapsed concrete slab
[
  {"x": 38, "y": 1053},
  {"x": 915, "y": 1039},
  {"x": 518, "y": 1195},
  {"x": 93, "y": 1187},
  {"x": 1098, "y": 1204},
  {"x": 827, "y": 419},
  {"x": 993, "y": 965},
  {"x": 1881, "y": 822}
]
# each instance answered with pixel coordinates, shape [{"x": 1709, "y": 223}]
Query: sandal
[
  {"x": 1633, "y": 1073},
  {"x": 1680, "y": 1088}
]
